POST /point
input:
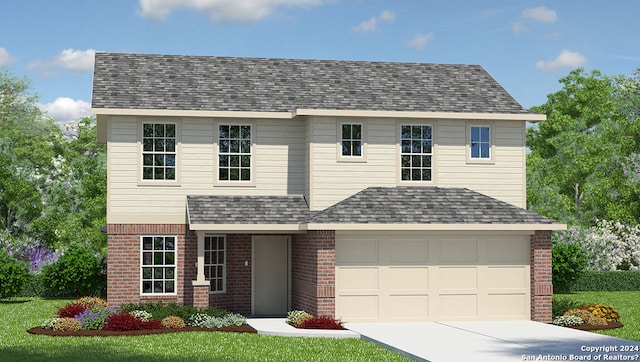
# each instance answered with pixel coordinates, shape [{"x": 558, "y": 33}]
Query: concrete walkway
[{"x": 473, "y": 341}]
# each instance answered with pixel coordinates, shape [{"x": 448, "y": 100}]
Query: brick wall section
[
  {"x": 541, "y": 284},
  {"x": 313, "y": 261},
  {"x": 123, "y": 263},
  {"x": 200, "y": 296},
  {"x": 237, "y": 298}
]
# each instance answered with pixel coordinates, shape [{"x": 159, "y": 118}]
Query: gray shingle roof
[
  {"x": 169, "y": 82},
  {"x": 247, "y": 209},
  {"x": 425, "y": 205},
  {"x": 374, "y": 205}
]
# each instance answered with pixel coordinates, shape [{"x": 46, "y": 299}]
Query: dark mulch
[
  {"x": 245, "y": 328},
  {"x": 589, "y": 327}
]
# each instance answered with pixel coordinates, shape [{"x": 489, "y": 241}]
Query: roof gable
[{"x": 207, "y": 83}]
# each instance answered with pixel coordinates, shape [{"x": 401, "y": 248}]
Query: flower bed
[
  {"x": 90, "y": 316},
  {"x": 304, "y": 320},
  {"x": 590, "y": 317}
]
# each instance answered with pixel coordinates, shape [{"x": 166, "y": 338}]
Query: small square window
[
  {"x": 480, "y": 142},
  {"x": 351, "y": 140}
]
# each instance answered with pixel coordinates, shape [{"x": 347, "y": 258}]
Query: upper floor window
[
  {"x": 416, "y": 152},
  {"x": 158, "y": 151},
  {"x": 234, "y": 153},
  {"x": 158, "y": 264},
  {"x": 480, "y": 142},
  {"x": 214, "y": 262},
  {"x": 351, "y": 140}
]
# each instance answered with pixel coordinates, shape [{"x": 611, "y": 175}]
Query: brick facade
[
  {"x": 313, "y": 260},
  {"x": 541, "y": 285},
  {"x": 237, "y": 297},
  {"x": 312, "y": 270},
  {"x": 123, "y": 263}
]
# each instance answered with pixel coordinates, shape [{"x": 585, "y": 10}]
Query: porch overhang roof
[{"x": 372, "y": 209}]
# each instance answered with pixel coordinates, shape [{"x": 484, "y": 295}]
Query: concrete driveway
[{"x": 496, "y": 341}]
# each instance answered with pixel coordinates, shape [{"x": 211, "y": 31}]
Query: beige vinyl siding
[
  {"x": 332, "y": 181},
  {"x": 503, "y": 179},
  {"x": 278, "y": 159}
]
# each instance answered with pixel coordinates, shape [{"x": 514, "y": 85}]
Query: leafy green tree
[
  {"x": 52, "y": 183},
  {"x": 576, "y": 167}
]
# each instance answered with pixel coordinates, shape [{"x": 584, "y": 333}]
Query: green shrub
[
  {"x": 560, "y": 305},
  {"x": 607, "y": 281},
  {"x": 75, "y": 274},
  {"x": 33, "y": 287},
  {"x": 163, "y": 310},
  {"x": 569, "y": 260},
  {"x": 13, "y": 274}
]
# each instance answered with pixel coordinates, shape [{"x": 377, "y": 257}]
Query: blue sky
[{"x": 526, "y": 45}]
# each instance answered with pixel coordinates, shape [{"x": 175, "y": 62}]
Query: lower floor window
[
  {"x": 158, "y": 264},
  {"x": 214, "y": 262}
]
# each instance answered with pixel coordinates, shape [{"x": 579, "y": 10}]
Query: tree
[
  {"x": 52, "y": 184},
  {"x": 576, "y": 168}
]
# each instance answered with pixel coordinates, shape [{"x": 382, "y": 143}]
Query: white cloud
[
  {"x": 5, "y": 57},
  {"x": 76, "y": 60},
  {"x": 566, "y": 59},
  {"x": 419, "y": 41},
  {"x": 69, "y": 59},
  {"x": 369, "y": 26},
  {"x": 540, "y": 14},
  {"x": 220, "y": 10},
  {"x": 66, "y": 109}
]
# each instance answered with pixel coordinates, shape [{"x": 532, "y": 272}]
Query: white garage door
[{"x": 415, "y": 277}]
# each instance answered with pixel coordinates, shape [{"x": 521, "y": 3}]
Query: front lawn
[
  {"x": 18, "y": 315},
  {"x": 627, "y": 304}
]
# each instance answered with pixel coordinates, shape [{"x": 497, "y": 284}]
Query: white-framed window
[
  {"x": 234, "y": 152},
  {"x": 158, "y": 264},
  {"x": 416, "y": 152},
  {"x": 351, "y": 140},
  {"x": 215, "y": 262},
  {"x": 159, "y": 153},
  {"x": 480, "y": 142}
]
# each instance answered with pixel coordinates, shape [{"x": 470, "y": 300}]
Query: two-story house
[{"x": 368, "y": 191}]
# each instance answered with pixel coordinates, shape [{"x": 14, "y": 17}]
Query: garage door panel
[
  {"x": 357, "y": 251},
  {"x": 506, "y": 306},
  {"x": 350, "y": 280},
  {"x": 358, "y": 308},
  {"x": 459, "y": 306},
  {"x": 507, "y": 277},
  {"x": 458, "y": 278},
  {"x": 408, "y": 307},
  {"x": 408, "y": 279},
  {"x": 408, "y": 276},
  {"x": 459, "y": 251},
  {"x": 401, "y": 252},
  {"x": 508, "y": 251}
]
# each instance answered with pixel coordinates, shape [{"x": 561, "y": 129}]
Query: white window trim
[
  {"x": 224, "y": 265},
  {"x": 175, "y": 292},
  {"x": 478, "y": 160},
  {"x": 434, "y": 151},
  {"x": 234, "y": 183},
  {"x": 178, "y": 152},
  {"x": 355, "y": 159}
]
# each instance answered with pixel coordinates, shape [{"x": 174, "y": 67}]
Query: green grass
[
  {"x": 18, "y": 315},
  {"x": 627, "y": 304}
]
